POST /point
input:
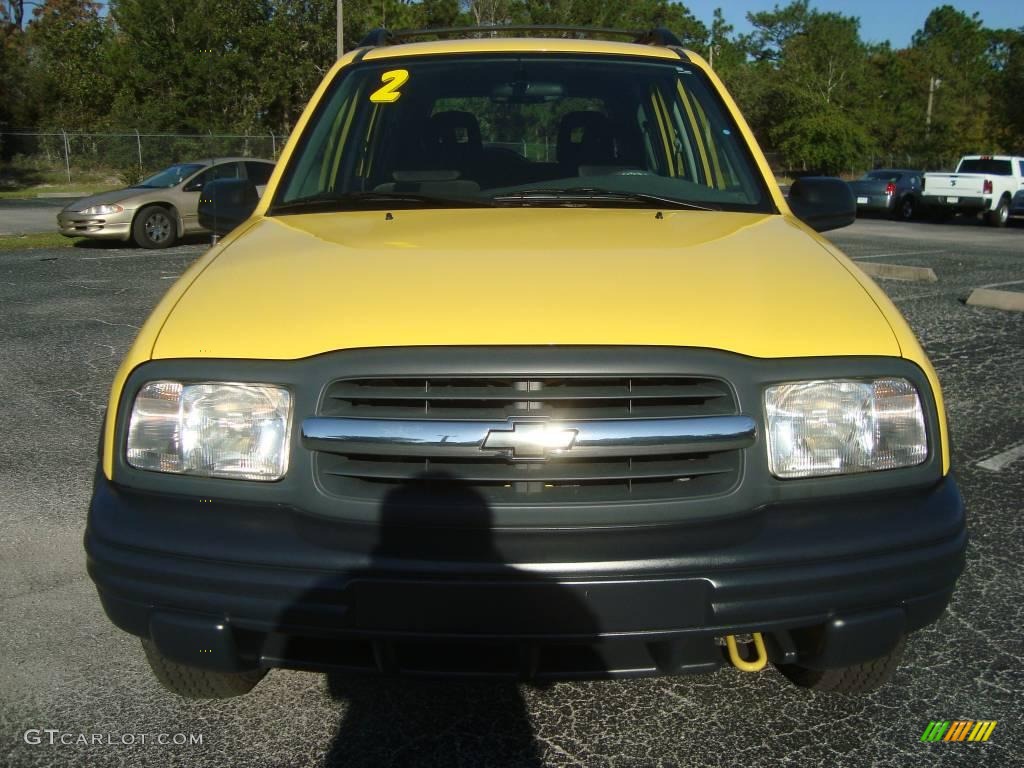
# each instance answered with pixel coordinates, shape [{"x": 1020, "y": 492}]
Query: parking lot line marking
[
  {"x": 896, "y": 254},
  {"x": 1001, "y": 461}
]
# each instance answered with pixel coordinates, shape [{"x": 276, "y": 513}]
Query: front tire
[
  {"x": 1000, "y": 215},
  {"x": 194, "y": 683},
  {"x": 859, "y": 678},
  {"x": 155, "y": 227}
]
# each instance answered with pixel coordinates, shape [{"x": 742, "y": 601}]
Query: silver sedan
[{"x": 156, "y": 212}]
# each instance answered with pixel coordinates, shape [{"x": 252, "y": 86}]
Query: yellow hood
[{"x": 300, "y": 285}]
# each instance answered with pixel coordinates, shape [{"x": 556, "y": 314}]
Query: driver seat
[
  {"x": 453, "y": 139},
  {"x": 585, "y": 138}
]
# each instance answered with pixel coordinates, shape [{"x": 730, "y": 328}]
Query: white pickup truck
[{"x": 980, "y": 183}]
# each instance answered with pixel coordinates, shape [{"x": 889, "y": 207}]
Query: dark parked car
[
  {"x": 887, "y": 190},
  {"x": 1017, "y": 205}
]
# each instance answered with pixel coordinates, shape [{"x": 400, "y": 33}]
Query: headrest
[
  {"x": 455, "y": 128},
  {"x": 585, "y": 137}
]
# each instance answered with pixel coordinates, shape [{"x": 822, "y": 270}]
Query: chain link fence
[
  {"x": 127, "y": 157},
  {"x": 777, "y": 163},
  {"x": 28, "y": 157}
]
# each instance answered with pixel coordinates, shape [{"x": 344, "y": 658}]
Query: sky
[{"x": 880, "y": 20}]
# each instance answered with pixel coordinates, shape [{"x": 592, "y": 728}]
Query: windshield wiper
[
  {"x": 372, "y": 200},
  {"x": 595, "y": 194}
]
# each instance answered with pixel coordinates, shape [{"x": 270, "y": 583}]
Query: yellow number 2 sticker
[{"x": 389, "y": 93}]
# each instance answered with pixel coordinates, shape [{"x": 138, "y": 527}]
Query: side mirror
[
  {"x": 226, "y": 203},
  {"x": 823, "y": 202}
]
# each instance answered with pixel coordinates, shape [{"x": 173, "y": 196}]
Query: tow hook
[{"x": 759, "y": 661}]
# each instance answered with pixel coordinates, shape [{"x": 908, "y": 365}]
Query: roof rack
[{"x": 659, "y": 36}]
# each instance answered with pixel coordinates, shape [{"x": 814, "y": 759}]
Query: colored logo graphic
[{"x": 958, "y": 730}]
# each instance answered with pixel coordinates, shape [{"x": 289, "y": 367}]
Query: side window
[
  {"x": 259, "y": 173},
  {"x": 668, "y": 145},
  {"x": 719, "y": 172},
  {"x": 689, "y": 166},
  {"x": 320, "y": 173},
  {"x": 643, "y": 121},
  {"x": 222, "y": 171},
  {"x": 1021, "y": 164},
  {"x": 684, "y": 138}
]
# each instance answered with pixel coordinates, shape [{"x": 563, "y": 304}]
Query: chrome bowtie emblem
[{"x": 530, "y": 439}]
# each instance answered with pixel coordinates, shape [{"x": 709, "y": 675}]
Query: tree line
[{"x": 816, "y": 94}]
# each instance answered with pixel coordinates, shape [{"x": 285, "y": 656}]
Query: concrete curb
[
  {"x": 1012, "y": 301},
  {"x": 898, "y": 272},
  {"x": 63, "y": 194}
]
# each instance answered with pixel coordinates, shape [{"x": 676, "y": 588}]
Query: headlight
[
  {"x": 102, "y": 210},
  {"x": 213, "y": 429},
  {"x": 840, "y": 426}
]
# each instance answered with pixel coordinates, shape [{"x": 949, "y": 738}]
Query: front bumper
[
  {"x": 228, "y": 586},
  {"x": 117, "y": 226}
]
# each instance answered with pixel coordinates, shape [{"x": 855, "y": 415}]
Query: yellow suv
[{"x": 523, "y": 365}]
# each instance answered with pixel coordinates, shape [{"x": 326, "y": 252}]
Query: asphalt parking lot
[
  {"x": 19, "y": 217},
  {"x": 66, "y": 318}
]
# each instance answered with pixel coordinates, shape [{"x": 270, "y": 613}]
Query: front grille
[{"x": 368, "y": 474}]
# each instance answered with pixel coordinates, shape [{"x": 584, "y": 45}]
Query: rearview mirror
[
  {"x": 822, "y": 202},
  {"x": 226, "y": 203}
]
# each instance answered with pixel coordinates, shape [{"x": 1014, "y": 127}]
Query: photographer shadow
[{"x": 457, "y": 699}]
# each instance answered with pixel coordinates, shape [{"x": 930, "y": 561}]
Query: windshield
[
  {"x": 986, "y": 165},
  {"x": 170, "y": 177},
  {"x": 520, "y": 130}
]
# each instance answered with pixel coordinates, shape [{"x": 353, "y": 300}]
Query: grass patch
[
  {"x": 83, "y": 188},
  {"x": 27, "y": 181},
  {"x": 40, "y": 240}
]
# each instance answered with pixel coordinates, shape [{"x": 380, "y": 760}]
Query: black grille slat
[
  {"x": 358, "y": 392},
  {"x": 492, "y": 471},
  {"x": 499, "y": 480},
  {"x": 557, "y": 398},
  {"x": 503, "y": 410},
  {"x": 442, "y": 494}
]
